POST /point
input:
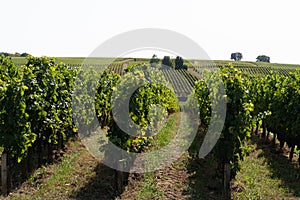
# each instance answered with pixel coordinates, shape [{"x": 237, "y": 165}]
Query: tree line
[
  {"x": 167, "y": 61},
  {"x": 14, "y": 54},
  {"x": 237, "y": 56}
]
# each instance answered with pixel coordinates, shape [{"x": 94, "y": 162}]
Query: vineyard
[
  {"x": 45, "y": 103},
  {"x": 253, "y": 70},
  {"x": 182, "y": 82}
]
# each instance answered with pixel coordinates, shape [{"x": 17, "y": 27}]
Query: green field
[{"x": 78, "y": 60}]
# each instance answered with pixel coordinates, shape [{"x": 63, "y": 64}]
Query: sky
[{"x": 75, "y": 28}]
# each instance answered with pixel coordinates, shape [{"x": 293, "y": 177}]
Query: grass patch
[
  {"x": 167, "y": 133},
  {"x": 61, "y": 180},
  {"x": 266, "y": 175},
  {"x": 149, "y": 189}
]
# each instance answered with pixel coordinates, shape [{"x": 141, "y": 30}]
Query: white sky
[{"x": 220, "y": 27}]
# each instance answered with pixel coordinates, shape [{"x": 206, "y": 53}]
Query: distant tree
[
  {"x": 14, "y": 54},
  {"x": 154, "y": 60},
  {"x": 166, "y": 61},
  {"x": 263, "y": 58},
  {"x": 4, "y": 53},
  {"x": 236, "y": 56},
  {"x": 178, "y": 63},
  {"x": 24, "y": 54}
]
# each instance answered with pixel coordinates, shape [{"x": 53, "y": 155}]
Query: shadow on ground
[
  {"x": 105, "y": 183},
  {"x": 280, "y": 166},
  {"x": 204, "y": 182},
  {"x": 100, "y": 186}
]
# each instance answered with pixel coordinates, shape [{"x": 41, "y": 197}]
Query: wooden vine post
[
  {"x": 227, "y": 169},
  {"x": 4, "y": 172},
  {"x": 119, "y": 177}
]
